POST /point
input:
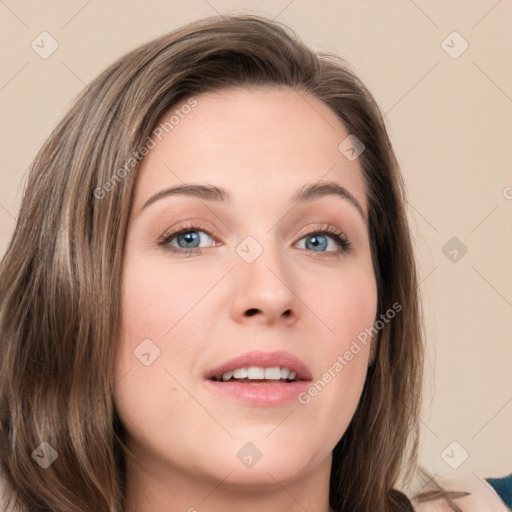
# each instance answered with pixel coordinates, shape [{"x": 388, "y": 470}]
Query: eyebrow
[{"x": 307, "y": 193}]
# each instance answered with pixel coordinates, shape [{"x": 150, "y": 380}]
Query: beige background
[{"x": 449, "y": 119}]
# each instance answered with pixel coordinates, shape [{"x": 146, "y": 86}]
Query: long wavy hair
[{"x": 60, "y": 276}]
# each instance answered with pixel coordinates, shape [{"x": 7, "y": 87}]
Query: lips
[{"x": 260, "y": 359}]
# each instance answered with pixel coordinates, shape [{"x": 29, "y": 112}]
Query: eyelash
[{"x": 339, "y": 237}]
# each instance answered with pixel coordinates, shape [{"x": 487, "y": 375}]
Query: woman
[{"x": 210, "y": 300}]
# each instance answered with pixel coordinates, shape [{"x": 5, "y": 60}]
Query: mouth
[
  {"x": 258, "y": 375},
  {"x": 256, "y": 367},
  {"x": 261, "y": 379}
]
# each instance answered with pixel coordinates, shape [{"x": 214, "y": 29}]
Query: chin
[{"x": 260, "y": 461}]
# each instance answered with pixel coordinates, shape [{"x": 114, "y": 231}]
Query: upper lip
[{"x": 263, "y": 359}]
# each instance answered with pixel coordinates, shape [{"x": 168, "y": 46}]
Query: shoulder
[{"x": 481, "y": 495}]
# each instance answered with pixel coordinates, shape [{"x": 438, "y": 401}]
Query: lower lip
[{"x": 260, "y": 393}]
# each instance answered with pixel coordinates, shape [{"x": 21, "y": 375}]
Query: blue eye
[
  {"x": 190, "y": 239},
  {"x": 187, "y": 237},
  {"x": 319, "y": 241},
  {"x": 187, "y": 240}
]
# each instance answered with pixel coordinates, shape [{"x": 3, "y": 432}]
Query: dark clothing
[
  {"x": 503, "y": 487},
  {"x": 405, "y": 504}
]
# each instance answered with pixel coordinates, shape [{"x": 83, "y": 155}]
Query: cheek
[
  {"x": 156, "y": 342},
  {"x": 149, "y": 310},
  {"x": 348, "y": 308},
  {"x": 157, "y": 300}
]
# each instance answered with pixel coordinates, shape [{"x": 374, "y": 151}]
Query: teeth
[
  {"x": 259, "y": 373},
  {"x": 255, "y": 372},
  {"x": 240, "y": 373},
  {"x": 273, "y": 373},
  {"x": 227, "y": 376}
]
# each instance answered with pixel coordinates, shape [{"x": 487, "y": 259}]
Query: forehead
[{"x": 261, "y": 144}]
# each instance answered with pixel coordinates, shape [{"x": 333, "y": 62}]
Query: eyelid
[
  {"x": 191, "y": 225},
  {"x": 316, "y": 228},
  {"x": 323, "y": 228},
  {"x": 331, "y": 231}
]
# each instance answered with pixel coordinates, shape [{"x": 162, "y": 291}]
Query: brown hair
[
  {"x": 431, "y": 490},
  {"x": 60, "y": 276}
]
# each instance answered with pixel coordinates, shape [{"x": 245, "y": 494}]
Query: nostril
[{"x": 252, "y": 312}]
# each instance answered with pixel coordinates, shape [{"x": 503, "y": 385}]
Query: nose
[{"x": 263, "y": 290}]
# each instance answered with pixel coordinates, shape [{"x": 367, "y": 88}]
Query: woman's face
[{"x": 250, "y": 282}]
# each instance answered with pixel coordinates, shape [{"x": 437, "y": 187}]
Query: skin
[{"x": 261, "y": 145}]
